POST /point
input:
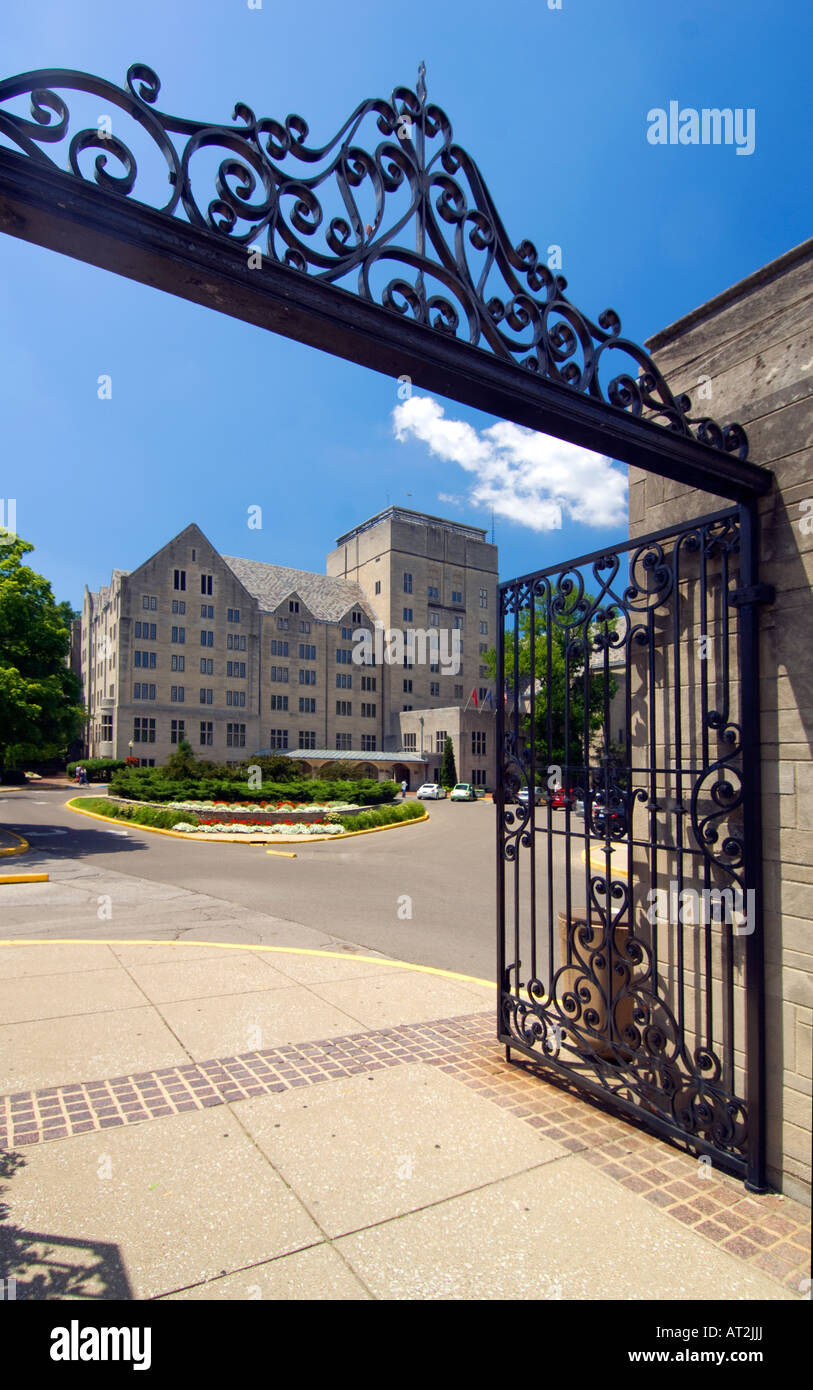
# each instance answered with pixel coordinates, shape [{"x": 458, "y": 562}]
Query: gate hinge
[{"x": 753, "y": 593}]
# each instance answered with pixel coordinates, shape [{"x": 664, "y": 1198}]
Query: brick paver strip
[{"x": 771, "y": 1232}]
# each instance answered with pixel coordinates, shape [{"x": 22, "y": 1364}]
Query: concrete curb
[{"x": 22, "y": 848}]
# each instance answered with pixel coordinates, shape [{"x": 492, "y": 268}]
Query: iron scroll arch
[{"x": 390, "y": 205}]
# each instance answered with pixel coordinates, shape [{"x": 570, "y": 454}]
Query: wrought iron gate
[{"x": 628, "y": 831}]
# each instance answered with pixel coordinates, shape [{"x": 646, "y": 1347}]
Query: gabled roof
[{"x": 325, "y": 598}]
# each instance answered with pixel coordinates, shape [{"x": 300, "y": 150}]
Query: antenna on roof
[{"x": 492, "y": 525}]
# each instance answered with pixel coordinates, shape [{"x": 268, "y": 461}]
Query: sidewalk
[{"x": 295, "y": 1121}]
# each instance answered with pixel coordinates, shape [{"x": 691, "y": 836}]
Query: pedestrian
[
  {"x": 403, "y": 790},
  {"x": 83, "y": 777},
  {"x": 77, "y": 776}
]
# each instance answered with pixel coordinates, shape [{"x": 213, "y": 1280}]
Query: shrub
[
  {"x": 381, "y": 815},
  {"x": 140, "y": 815},
  {"x": 153, "y": 784},
  {"x": 97, "y": 769},
  {"x": 448, "y": 771}
]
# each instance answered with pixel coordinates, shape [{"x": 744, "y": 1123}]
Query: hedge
[
  {"x": 97, "y": 769},
  {"x": 141, "y": 815},
  {"x": 149, "y": 784},
  {"x": 382, "y": 815}
]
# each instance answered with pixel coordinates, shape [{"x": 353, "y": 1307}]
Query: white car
[{"x": 431, "y": 791}]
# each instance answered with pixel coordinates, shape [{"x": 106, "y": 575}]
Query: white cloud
[{"x": 525, "y": 476}]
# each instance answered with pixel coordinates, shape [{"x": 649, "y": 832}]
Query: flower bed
[
  {"x": 231, "y": 814},
  {"x": 218, "y": 827}
]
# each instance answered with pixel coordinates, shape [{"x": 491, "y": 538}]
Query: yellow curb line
[
  {"x": 234, "y": 946},
  {"x": 235, "y": 839},
  {"x": 24, "y": 878},
  {"x": 282, "y": 853},
  {"x": 600, "y": 864},
  {"x": 22, "y": 848}
]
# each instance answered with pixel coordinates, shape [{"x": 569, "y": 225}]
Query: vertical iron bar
[
  {"x": 500, "y": 799},
  {"x": 748, "y": 625}
]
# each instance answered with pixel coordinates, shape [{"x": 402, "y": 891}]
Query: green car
[{"x": 464, "y": 791}]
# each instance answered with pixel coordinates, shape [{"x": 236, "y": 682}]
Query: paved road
[{"x": 424, "y": 894}]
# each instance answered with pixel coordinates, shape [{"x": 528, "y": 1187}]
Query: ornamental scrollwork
[{"x": 391, "y": 207}]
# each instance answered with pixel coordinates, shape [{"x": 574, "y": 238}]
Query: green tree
[
  {"x": 564, "y": 698},
  {"x": 182, "y": 763},
  {"x": 448, "y": 771},
  {"x": 40, "y": 697}
]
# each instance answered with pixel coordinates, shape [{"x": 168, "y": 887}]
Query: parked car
[
  {"x": 523, "y": 796},
  {"x": 560, "y": 799},
  {"x": 431, "y": 791},
  {"x": 479, "y": 792},
  {"x": 464, "y": 791}
]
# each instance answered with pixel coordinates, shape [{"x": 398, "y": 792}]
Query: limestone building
[{"x": 241, "y": 656}]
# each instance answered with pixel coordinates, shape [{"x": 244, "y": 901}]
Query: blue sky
[{"x": 210, "y": 416}]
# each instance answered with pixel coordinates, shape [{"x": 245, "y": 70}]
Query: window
[
  {"x": 457, "y": 622},
  {"x": 206, "y": 583},
  {"x": 307, "y": 677},
  {"x": 235, "y": 735},
  {"x": 406, "y": 708},
  {"x": 440, "y": 740},
  {"x": 478, "y": 777},
  {"x": 207, "y": 666},
  {"x": 146, "y": 631},
  {"x": 206, "y": 728},
  {"x": 368, "y": 682},
  {"x": 179, "y": 581},
  {"x": 407, "y": 615},
  {"x": 458, "y": 692},
  {"x": 236, "y": 669},
  {"x": 408, "y": 665},
  {"x": 434, "y": 620},
  {"x": 179, "y": 635},
  {"x": 279, "y": 738},
  {"x": 232, "y": 615},
  {"x": 344, "y": 682},
  {"x": 483, "y": 648},
  {"x": 407, "y": 687},
  {"x": 457, "y": 595},
  {"x": 279, "y": 648},
  {"x": 107, "y": 728},
  {"x": 207, "y": 638},
  {"x": 407, "y": 583},
  {"x": 434, "y": 667},
  {"x": 304, "y": 627},
  {"x": 143, "y": 692},
  {"x": 410, "y": 743},
  {"x": 378, "y": 586},
  {"x": 279, "y": 673},
  {"x": 484, "y": 629},
  {"x": 484, "y": 598},
  {"x": 207, "y": 610},
  {"x": 176, "y": 730},
  {"x": 145, "y": 659},
  {"x": 177, "y": 663},
  {"x": 344, "y": 656},
  {"x": 146, "y": 762},
  {"x": 293, "y": 606},
  {"x": 347, "y": 634},
  {"x": 482, "y": 693},
  {"x": 237, "y": 698},
  {"x": 307, "y": 705},
  {"x": 344, "y": 707},
  {"x": 307, "y": 652},
  {"x": 179, "y": 605},
  {"x": 177, "y": 695},
  {"x": 307, "y": 738},
  {"x": 282, "y": 624},
  {"x": 235, "y": 642},
  {"x": 368, "y": 711},
  {"x": 149, "y": 601},
  {"x": 434, "y": 688},
  {"x": 368, "y": 743},
  {"x": 478, "y": 743},
  {"x": 206, "y": 697},
  {"x": 143, "y": 730},
  {"x": 432, "y": 592},
  {"x": 344, "y": 741},
  {"x": 280, "y": 702}
]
